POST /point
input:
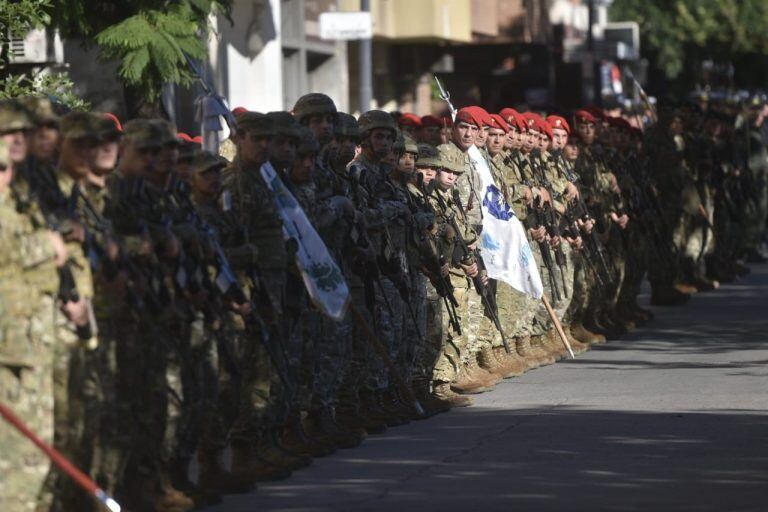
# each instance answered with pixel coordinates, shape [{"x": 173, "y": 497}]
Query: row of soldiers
[{"x": 153, "y": 310}]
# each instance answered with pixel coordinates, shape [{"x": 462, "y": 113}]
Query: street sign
[{"x": 346, "y": 26}]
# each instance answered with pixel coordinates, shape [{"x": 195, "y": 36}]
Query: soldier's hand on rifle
[
  {"x": 621, "y": 221},
  {"x": 59, "y": 248},
  {"x": 614, "y": 184},
  {"x": 243, "y": 309},
  {"x": 470, "y": 270},
  {"x": 112, "y": 250},
  {"x": 577, "y": 243},
  {"x": 545, "y": 197},
  {"x": 445, "y": 270},
  {"x": 539, "y": 234},
  {"x": 76, "y": 233},
  {"x": 484, "y": 277},
  {"x": 527, "y": 195},
  {"x": 76, "y": 312},
  {"x": 571, "y": 191},
  {"x": 554, "y": 241},
  {"x": 586, "y": 225}
]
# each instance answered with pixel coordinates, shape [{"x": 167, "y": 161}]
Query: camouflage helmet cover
[{"x": 314, "y": 103}]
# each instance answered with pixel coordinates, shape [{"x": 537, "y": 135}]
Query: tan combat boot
[
  {"x": 537, "y": 347},
  {"x": 468, "y": 382},
  {"x": 554, "y": 347},
  {"x": 513, "y": 364},
  {"x": 524, "y": 350},
  {"x": 584, "y": 335},
  {"x": 488, "y": 361},
  {"x": 577, "y": 346},
  {"x": 443, "y": 393}
]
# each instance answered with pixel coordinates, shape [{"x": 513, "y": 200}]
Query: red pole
[{"x": 80, "y": 478}]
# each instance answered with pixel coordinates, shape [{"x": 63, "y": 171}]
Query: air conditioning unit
[{"x": 36, "y": 48}]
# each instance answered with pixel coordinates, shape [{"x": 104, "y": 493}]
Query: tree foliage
[
  {"x": 716, "y": 28},
  {"x": 56, "y": 86},
  {"x": 148, "y": 38}
]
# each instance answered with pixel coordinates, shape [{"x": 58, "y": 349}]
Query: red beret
[
  {"x": 514, "y": 118},
  {"x": 546, "y": 128},
  {"x": 469, "y": 116},
  {"x": 409, "y": 119},
  {"x": 498, "y": 122},
  {"x": 239, "y": 110},
  {"x": 483, "y": 115},
  {"x": 447, "y": 121},
  {"x": 115, "y": 120},
  {"x": 582, "y": 116},
  {"x": 183, "y": 136},
  {"x": 430, "y": 120},
  {"x": 531, "y": 124},
  {"x": 596, "y": 111},
  {"x": 198, "y": 139},
  {"x": 559, "y": 123}
]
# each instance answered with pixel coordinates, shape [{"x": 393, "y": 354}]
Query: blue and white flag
[
  {"x": 322, "y": 277},
  {"x": 505, "y": 248}
]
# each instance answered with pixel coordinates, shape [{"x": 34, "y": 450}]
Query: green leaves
[
  {"x": 56, "y": 85},
  {"x": 715, "y": 28},
  {"x": 151, "y": 45}
]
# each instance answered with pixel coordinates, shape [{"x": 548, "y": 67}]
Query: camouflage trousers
[
  {"x": 453, "y": 344},
  {"x": 636, "y": 266},
  {"x": 414, "y": 326},
  {"x": 332, "y": 354},
  {"x": 388, "y": 319},
  {"x": 427, "y": 357},
  {"x": 28, "y": 393}
]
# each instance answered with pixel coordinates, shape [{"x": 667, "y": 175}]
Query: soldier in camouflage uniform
[{"x": 26, "y": 358}]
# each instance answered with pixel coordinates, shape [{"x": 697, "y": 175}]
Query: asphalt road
[{"x": 673, "y": 417}]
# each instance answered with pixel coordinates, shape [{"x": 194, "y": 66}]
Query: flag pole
[
  {"x": 80, "y": 478},
  {"x": 558, "y": 327}
]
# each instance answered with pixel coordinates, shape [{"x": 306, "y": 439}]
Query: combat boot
[
  {"x": 371, "y": 415},
  {"x": 322, "y": 420},
  {"x": 168, "y": 499},
  {"x": 687, "y": 289},
  {"x": 545, "y": 358},
  {"x": 467, "y": 383},
  {"x": 297, "y": 441},
  {"x": 553, "y": 346},
  {"x": 431, "y": 404},
  {"x": 488, "y": 361},
  {"x": 214, "y": 477},
  {"x": 584, "y": 335},
  {"x": 268, "y": 448},
  {"x": 524, "y": 350},
  {"x": 179, "y": 478},
  {"x": 444, "y": 394},
  {"x": 474, "y": 369},
  {"x": 246, "y": 463},
  {"x": 513, "y": 364},
  {"x": 396, "y": 415}
]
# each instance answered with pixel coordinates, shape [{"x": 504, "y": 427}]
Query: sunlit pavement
[{"x": 673, "y": 417}]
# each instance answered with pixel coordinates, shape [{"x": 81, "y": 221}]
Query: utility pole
[{"x": 366, "y": 67}]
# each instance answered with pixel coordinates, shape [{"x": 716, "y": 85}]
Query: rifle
[{"x": 446, "y": 97}]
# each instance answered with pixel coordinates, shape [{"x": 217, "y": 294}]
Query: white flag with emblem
[
  {"x": 504, "y": 247},
  {"x": 322, "y": 277}
]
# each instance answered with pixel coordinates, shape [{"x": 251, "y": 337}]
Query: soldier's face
[
  {"x": 106, "y": 158},
  {"x": 207, "y": 184},
  {"x": 410, "y": 130},
  {"x": 167, "y": 158},
  {"x": 495, "y": 142},
  {"x": 446, "y": 179},
  {"x": 322, "y": 126},
  {"x": 77, "y": 156},
  {"x": 543, "y": 142},
  {"x": 407, "y": 163},
  {"x": 530, "y": 141},
  {"x": 253, "y": 148},
  {"x": 586, "y": 132},
  {"x": 482, "y": 137},
  {"x": 431, "y": 135},
  {"x": 428, "y": 173},
  {"x": 283, "y": 151},
  {"x": 345, "y": 148},
  {"x": 518, "y": 138},
  {"x": 571, "y": 152},
  {"x": 302, "y": 168},
  {"x": 135, "y": 161},
  {"x": 381, "y": 141},
  {"x": 464, "y": 135},
  {"x": 45, "y": 139},
  {"x": 17, "y": 145},
  {"x": 676, "y": 126},
  {"x": 559, "y": 138}
]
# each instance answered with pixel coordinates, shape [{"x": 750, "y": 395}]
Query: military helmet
[
  {"x": 410, "y": 144},
  {"x": 451, "y": 158},
  {"x": 167, "y": 132},
  {"x": 142, "y": 133},
  {"x": 255, "y": 122},
  {"x": 376, "y": 119},
  {"x": 203, "y": 161},
  {"x": 41, "y": 109},
  {"x": 284, "y": 124},
  {"x": 13, "y": 117},
  {"x": 314, "y": 103},
  {"x": 79, "y": 126},
  {"x": 307, "y": 141},
  {"x": 346, "y": 125},
  {"x": 429, "y": 156}
]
